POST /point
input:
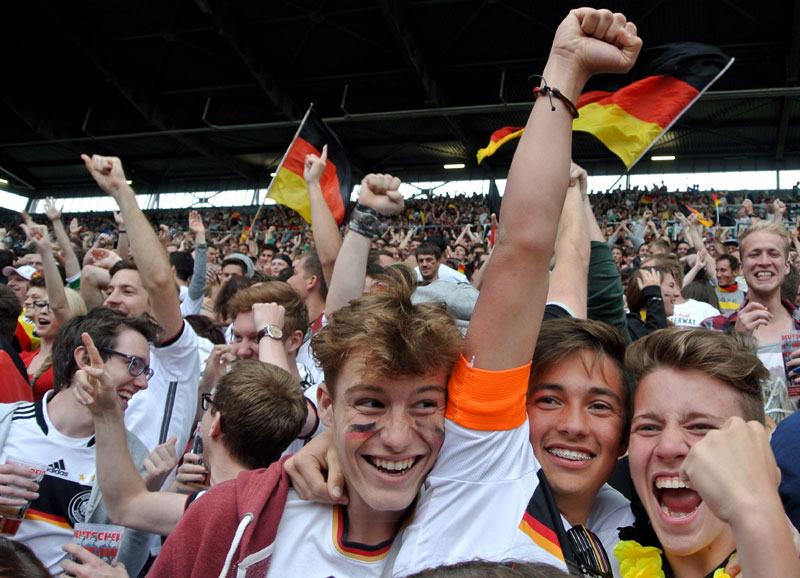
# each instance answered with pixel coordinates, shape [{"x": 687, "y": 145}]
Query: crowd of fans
[{"x": 361, "y": 401}]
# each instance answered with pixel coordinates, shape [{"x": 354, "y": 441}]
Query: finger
[
  {"x": 94, "y": 355},
  {"x": 606, "y": 18},
  {"x": 324, "y": 156}
]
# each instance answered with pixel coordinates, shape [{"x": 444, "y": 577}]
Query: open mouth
[
  {"x": 392, "y": 467},
  {"x": 763, "y": 275},
  {"x": 126, "y": 395},
  {"x": 676, "y": 500},
  {"x": 571, "y": 455}
]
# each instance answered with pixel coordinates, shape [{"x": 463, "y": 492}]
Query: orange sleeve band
[{"x": 486, "y": 400}]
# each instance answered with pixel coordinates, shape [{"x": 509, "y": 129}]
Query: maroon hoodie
[{"x": 233, "y": 520}]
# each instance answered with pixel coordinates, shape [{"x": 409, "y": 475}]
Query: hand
[
  {"x": 119, "y": 220},
  {"x": 579, "y": 177},
  {"x": 94, "y": 387},
  {"x": 217, "y": 362},
  {"x": 268, "y": 314},
  {"x": 693, "y": 219},
  {"x": 701, "y": 257},
  {"x": 752, "y": 316},
  {"x": 159, "y": 463},
  {"x": 53, "y": 213},
  {"x": 89, "y": 565},
  {"x": 197, "y": 227},
  {"x": 647, "y": 215},
  {"x": 306, "y": 467},
  {"x": 737, "y": 447},
  {"x": 747, "y": 205},
  {"x": 381, "y": 192},
  {"x": 192, "y": 475},
  {"x": 594, "y": 41},
  {"x": 108, "y": 173},
  {"x": 74, "y": 226},
  {"x": 163, "y": 234},
  {"x": 314, "y": 166},
  {"x": 104, "y": 258},
  {"x": 38, "y": 235},
  {"x": 17, "y": 485},
  {"x": 649, "y": 278}
]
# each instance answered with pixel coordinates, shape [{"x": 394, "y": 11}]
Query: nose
[
  {"x": 573, "y": 421},
  {"x": 245, "y": 349},
  {"x": 672, "y": 444},
  {"x": 140, "y": 381},
  {"x": 397, "y": 430}
]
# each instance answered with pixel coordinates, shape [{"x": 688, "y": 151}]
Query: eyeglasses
[
  {"x": 40, "y": 305},
  {"x": 205, "y": 400},
  {"x": 136, "y": 367},
  {"x": 589, "y": 553}
]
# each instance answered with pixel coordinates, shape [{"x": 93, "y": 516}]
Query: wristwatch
[
  {"x": 272, "y": 331},
  {"x": 364, "y": 220}
]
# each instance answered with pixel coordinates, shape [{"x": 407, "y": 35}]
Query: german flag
[
  {"x": 716, "y": 199},
  {"x": 687, "y": 210},
  {"x": 498, "y": 139},
  {"x": 288, "y": 187},
  {"x": 630, "y": 113},
  {"x": 646, "y": 199}
]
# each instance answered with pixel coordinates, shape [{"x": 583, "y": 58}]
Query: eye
[
  {"x": 702, "y": 428},
  {"x": 645, "y": 429},
  {"x": 369, "y": 404},
  {"x": 547, "y": 401},
  {"x": 601, "y": 406},
  {"x": 237, "y": 338}
]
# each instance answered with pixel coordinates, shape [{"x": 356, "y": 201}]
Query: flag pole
[{"x": 280, "y": 165}]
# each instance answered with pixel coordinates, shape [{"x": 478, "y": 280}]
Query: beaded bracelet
[{"x": 551, "y": 92}]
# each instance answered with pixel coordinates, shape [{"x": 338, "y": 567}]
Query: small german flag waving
[
  {"x": 629, "y": 113},
  {"x": 288, "y": 188}
]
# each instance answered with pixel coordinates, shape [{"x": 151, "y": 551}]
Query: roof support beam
[
  {"x": 223, "y": 18},
  {"x": 394, "y": 14},
  {"x": 792, "y": 73},
  {"x": 97, "y": 53}
]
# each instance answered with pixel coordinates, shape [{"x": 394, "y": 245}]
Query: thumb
[{"x": 324, "y": 156}]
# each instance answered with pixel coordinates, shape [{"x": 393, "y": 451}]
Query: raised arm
[
  {"x": 505, "y": 324},
  {"x": 56, "y": 296},
  {"x": 197, "y": 287},
  {"x": 152, "y": 261},
  {"x": 379, "y": 195},
  {"x": 72, "y": 267},
  {"x": 568, "y": 278},
  {"x": 326, "y": 233},
  {"x": 125, "y": 495}
]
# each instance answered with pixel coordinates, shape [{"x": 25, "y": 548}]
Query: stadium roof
[{"x": 199, "y": 94}]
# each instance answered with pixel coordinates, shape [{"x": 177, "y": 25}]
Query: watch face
[
  {"x": 275, "y": 332},
  {"x": 370, "y": 221}
]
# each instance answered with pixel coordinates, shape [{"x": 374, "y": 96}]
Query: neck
[
  {"x": 369, "y": 526},
  {"x": 69, "y": 417},
  {"x": 771, "y": 301},
  {"x": 222, "y": 467},
  {"x": 575, "y": 509},
  {"x": 315, "y": 305}
]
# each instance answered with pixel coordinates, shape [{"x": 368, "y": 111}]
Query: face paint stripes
[{"x": 360, "y": 431}]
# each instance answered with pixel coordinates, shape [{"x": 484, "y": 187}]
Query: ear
[
  {"x": 293, "y": 342},
  {"x": 81, "y": 357},
  {"x": 216, "y": 425},
  {"x": 324, "y": 405},
  {"x": 312, "y": 281}
]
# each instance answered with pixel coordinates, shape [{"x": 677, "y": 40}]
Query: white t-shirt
[
  {"x": 311, "y": 542},
  {"x": 179, "y": 361},
  {"x": 64, "y": 492},
  {"x": 692, "y": 313},
  {"x": 475, "y": 500}
]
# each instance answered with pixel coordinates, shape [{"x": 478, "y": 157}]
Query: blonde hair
[{"x": 766, "y": 227}]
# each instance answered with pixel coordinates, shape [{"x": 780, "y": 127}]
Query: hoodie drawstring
[{"x": 245, "y": 521}]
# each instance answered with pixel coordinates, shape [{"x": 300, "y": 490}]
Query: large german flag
[
  {"x": 630, "y": 112},
  {"x": 288, "y": 187}
]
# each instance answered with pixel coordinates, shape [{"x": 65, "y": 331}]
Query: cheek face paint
[
  {"x": 436, "y": 432},
  {"x": 358, "y": 431}
]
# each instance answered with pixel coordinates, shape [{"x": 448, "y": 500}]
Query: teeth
[
  {"x": 569, "y": 454},
  {"x": 125, "y": 395},
  {"x": 670, "y": 483},
  {"x": 763, "y": 274},
  {"x": 393, "y": 466}
]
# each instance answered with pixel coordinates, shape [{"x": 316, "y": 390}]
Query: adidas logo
[{"x": 58, "y": 469}]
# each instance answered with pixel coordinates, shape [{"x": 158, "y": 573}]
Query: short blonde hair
[{"x": 766, "y": 227}]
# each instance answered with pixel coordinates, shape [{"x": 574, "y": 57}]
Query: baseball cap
[{"x": 26, "y": 271}]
